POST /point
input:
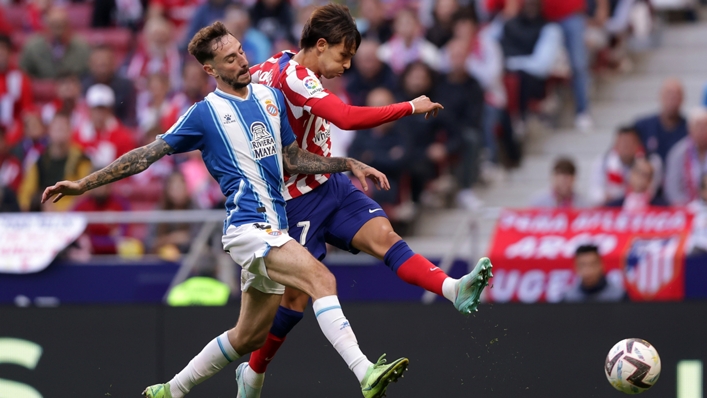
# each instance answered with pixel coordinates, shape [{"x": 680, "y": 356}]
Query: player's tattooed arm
[
  {"x": 299, "y": 161},
  {"x": 131, "y": 163}
]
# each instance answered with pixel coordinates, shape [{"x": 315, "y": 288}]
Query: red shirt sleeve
[{"x": 349, "y": 117}]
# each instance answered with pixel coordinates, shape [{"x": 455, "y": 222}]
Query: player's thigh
[
  {"x": 375, "y": 237},
  {"x": 258, "y": 311},
  {"x": 293, "y": 266}
]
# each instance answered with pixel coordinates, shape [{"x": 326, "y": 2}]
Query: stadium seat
[
  {"x": 120, "y": 39},
  {"x": 43, "y": 90},
  {"x": 80, "y": 15}
]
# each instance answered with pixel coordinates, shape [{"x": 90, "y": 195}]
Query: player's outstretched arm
[
  {"x": 299, "y": 161},
  {"x": 131, "y": 163}
]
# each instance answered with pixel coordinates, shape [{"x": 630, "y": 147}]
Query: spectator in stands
[
  {"x": 661, "y": 131},
  {"x": 484, "y": 63},
  {"x": 15, "y": 93},
  {"x": 613, "y": 168},
  {"x": 531, "y": 47},
  {"x": 69, "y": 100},
  {"x": 158, "y": 53},
  {"x": 61, "y": 160},
  {"x": 44, "y": 56},
  {"x": 110, "y": 13},
  {"x": 102, "y": 70},
  {"x": 373, "y": 23},
  {"x": 178, "y": 12},
  {"x": 592, "y": 283},
  {"x": 154, "y": 106},
  {"x": 408, "y": 44},
  {"x": 442, "y": 28},
  {"x": 104, "y": 238},
  {"x": 383, "y": 147},
  {"x": 203, "y": 189},
  {"x": 463, "y": 101},
  {"x": 8, "y": 200},
  {"x": 103, "y": 138},
  {"x": 697, "y": 241},
  {"x": 368, "y": 73},
  {"x": 33, "y": 141},
  {"x": 562, "y": 194},
  {"x": 687, "y": 162},
  {"x": 170, "y": 237},
  {"x": 640, "y": 192},
  {"x": 274, "y": 18},
  {"x": 196, "y": 87},
  {"x": 10, "y": 166},
  {"x": 256, "y": 45},
  {"x": 209, "y": 11},
  {"x": 434, "y": 142}
]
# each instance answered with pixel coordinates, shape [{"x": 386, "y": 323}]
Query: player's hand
[
  {"x": 362, "y": 170},
  {"x": 425, "y": 105},
  {"x": 61, "y": 189}
]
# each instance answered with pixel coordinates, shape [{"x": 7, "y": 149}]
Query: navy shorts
[{"x": 332, "y": 213}]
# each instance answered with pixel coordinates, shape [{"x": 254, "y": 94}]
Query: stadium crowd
[{"x": 82, "y": 83}]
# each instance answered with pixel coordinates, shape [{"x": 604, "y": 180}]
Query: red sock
[
  {"x": 419, "y": 271},
  {"x": 260, "y": 359}
]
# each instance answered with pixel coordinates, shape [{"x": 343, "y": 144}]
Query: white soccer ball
[{"x": 632, "y": 366}]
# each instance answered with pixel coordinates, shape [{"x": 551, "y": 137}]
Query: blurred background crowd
[{"x": 82, "y": 83}]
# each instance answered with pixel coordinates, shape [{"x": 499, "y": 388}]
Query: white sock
[
  {"x": 450, "y": 288},
  {"x": 214, "y": 357},
  {"x": 253, "y": 379},
  {"x": 338, "y": 331}
]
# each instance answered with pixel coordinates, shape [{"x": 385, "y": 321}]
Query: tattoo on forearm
[
  {"x": 131, "y": 163},
  {"x": 298, "y": 161}
]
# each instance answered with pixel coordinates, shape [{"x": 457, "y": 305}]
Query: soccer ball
[{"x": 632, "y": 366}]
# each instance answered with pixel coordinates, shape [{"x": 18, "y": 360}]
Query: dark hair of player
[
  {"x": 583, "y": 249},
  {"x": 333, "y": 23},
  {"x": 627, "y": 129},
  {"x": 201, "y": 45},
  {"x": 564, "y": 166}
]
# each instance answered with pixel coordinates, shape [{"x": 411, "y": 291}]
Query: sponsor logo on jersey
[
  {"x": 312, "y": 85},
  {"x": 322, "y": 131},
  {"x": 265, "y": 78},
  {"x": 262, "y": 143},
  {"x": 271, "y": 108},
  {"x": 228, "y": 118}
]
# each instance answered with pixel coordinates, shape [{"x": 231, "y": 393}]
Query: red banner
[{"x": 532, "y": 252}]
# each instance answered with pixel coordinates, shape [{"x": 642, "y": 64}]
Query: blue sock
[
  {"x": 399, "y": 253},
  {"x": 285, "y": 320}
]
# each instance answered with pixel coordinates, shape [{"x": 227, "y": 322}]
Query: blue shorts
[{"x": 332, "y": 213}]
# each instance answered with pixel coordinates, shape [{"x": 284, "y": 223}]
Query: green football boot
[
  {"x": 471, "y": 285},
  {"x": 157, "y": 391},
  {"x": 380, "y": 375}
]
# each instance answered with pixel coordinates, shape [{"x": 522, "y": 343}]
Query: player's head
[
  {"x": 588, "y": 265},
  {"x": 331, "y": 32},
  {"x": 221, "y": 55},
  {"x": 627, "y": 144},
  {"x": 563, "y": 173}
]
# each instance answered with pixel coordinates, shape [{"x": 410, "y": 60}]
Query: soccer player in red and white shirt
[{"x": 327, "y": 208}]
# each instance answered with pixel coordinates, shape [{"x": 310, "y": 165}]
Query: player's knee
[
  {"x": 295, "y": 302},
  {"x": 324, "y": 284}
]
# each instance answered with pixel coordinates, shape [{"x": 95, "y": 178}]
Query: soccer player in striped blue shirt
[{"x": 246, "y": 142}]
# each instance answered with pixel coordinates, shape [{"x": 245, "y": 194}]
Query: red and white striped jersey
[{"x": 298, "y": 84}]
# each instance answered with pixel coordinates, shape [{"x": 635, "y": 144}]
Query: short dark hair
[
  {"x": 564, "y": 166},
  {"x": 201, "y": 45},
  {"x": 333, "y": 23},
  {"x": 465, "y": 14},
  {"x": 5, "y": 41},
  {"x": 66, "y": 75},
  {"x": 588, "y": 248},
  {"x": 627, "y": 129}
]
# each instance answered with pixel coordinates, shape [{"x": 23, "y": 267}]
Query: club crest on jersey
[
  {"x": 271, "y": 108},
  {"x": 312, "y": 85},
  {"x": 262, "y": 143},
  {"x": 228, "y": 118}
]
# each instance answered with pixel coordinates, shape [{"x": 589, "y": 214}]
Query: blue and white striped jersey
[{"x": 241, "y": 142}]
